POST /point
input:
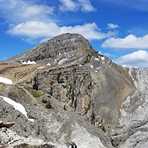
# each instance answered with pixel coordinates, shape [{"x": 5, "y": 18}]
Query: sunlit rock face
[{"x": 72, "y": 97}]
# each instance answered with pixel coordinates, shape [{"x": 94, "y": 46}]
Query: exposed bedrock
[{"x": 72, "y": 96}]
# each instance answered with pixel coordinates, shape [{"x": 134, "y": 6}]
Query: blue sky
[{"x": 119, "y": 29}]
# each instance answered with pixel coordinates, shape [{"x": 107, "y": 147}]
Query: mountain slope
[{"x": 74, "y": 96}]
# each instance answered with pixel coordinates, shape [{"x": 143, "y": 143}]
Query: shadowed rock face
[{"x": 75, "y": 97}]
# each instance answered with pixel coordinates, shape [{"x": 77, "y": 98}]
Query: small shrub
[
  {"x": 44, "y": 100},
  {"x": 37, "y": 93},
  {"x": 2, "y": 87}
]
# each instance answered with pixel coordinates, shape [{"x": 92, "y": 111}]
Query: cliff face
[{"x": 72, "y": 96}]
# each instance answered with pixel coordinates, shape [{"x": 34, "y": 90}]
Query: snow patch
[
  {"x": 55, "y": 61},
  {"x": 130, "y": 73},
  {"x": 6, "y": 81},
  {"x": 123, "y": 112},
  {"x": 62, "y": 61},
  {"x": 124, "y": 65},
  {"x": 17, "y": 106},
  {"x": 102, "y": 58},
  {"x": 41, "y": 67},
  {"x": 97, "y": 59},
  {"x": 31, "y": 120},
  {"x": 48, "y": 64},
  {"x": 28, "y": 62},
  {"x": 91, "y": 66}
]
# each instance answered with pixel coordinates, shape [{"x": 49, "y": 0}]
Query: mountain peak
[
  {"x": 69, "y": 47},
  {"x": 65, "y": 83}
]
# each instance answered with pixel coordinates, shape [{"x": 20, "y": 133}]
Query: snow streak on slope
[
  {"x": 17, "y": 106},
  {"x": 6, "y": 81}
]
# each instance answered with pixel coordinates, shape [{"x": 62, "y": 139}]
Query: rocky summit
[
  {"x": 61, "y": 49},
  {"x": 63, "y": 94}
]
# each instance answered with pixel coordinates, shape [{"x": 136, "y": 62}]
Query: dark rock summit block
[{"x": 61, "y": 49}]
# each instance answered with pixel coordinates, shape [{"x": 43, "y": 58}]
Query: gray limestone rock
[{"x": 73, "y": 97}]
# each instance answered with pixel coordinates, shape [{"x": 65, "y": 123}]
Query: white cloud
[
  {"x": 37, "y": 10},
  {"x": 75, "y": 5},
  {"x": 89, "y": 30},
  {"x": 129, "y": 42},
  {"x": 33, "y": 20},
  {"x": 21, "y": 10},
  {"x": 68, "y": 5},
  {"x": 86, "y": 5},
  {"x": 112, "y": 26},
  {"x": 36, "y": 29},
  {"x": 136, "y": 59}
]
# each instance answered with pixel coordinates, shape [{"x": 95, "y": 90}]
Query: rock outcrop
[{"x": 74, "y": 97}]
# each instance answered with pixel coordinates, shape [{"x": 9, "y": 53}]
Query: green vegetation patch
[
  {"x": 2, "y": 87},
  {"x": 37, "y": 93}
]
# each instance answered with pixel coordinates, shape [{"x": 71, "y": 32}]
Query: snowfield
[
  {"x": 17, "y": 106},
  {"x": 6, "y": 81}
]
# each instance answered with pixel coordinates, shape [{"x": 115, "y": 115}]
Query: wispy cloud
[
  {"x": 136, "y": 59},
  {"x": 112, "y": 26},
  {"x": 32, "y": 20},
  {"x": 35, "y": 29},
  {"x": 129, "y": 42},
  {"x": 86, "y": 5},
  {"x": 76, "y": 5},
  {"x": 20, "y": 10},
  {"x": 68, "y": 5}
]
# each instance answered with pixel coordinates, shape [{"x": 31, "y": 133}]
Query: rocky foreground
[{"x": 63, "y": 94}]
